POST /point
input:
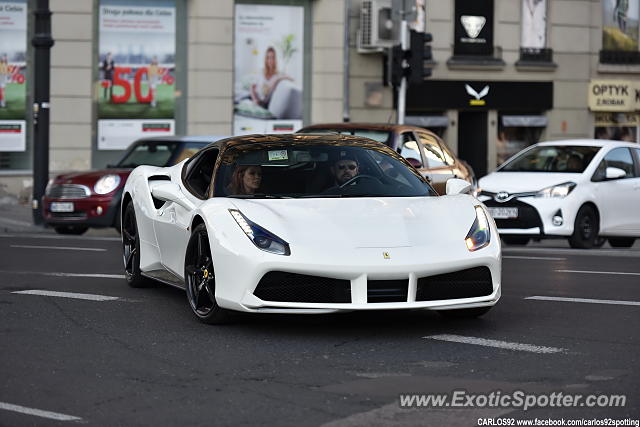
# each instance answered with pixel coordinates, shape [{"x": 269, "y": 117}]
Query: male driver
[{"x": 344, "y": 169}]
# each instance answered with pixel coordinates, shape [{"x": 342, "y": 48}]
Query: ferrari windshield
[
  {"x": 315, "y": 170},
  {"x": 158, "y": 153},
  {"x": 552, "y": 158}
]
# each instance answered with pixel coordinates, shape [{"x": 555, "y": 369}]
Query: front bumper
[
  {"x": 86, "y": 212},
  {"x": 535, "y": 216},
  {"x": 236, "y": 288}
]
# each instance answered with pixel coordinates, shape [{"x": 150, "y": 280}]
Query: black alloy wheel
[
  {"x": 131, "y": 249},
  {"x": 200, "y": 279},
  {"x": 74, "y": 230},
  {"x": 621, "y": 242},
  {"x": 585, "y": 229}
]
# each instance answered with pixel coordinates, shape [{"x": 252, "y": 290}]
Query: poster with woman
[
  {"x": 13, "y": 59},
  {"x": 620, "y": 24},
  {"x": 268, "y": 68},
  {"x": 136, "y": 71}
]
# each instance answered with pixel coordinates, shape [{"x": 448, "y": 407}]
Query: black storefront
[{"x": 519, "y": 103}]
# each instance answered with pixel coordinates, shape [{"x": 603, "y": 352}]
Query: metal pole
[
  {"x": 42, "y": 43},
  {"x": 345, "y": 81},
  {"x": 402, "y": 91}
]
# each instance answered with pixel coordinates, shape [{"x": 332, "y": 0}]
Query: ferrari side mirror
[{"x": 458, "y": 186}]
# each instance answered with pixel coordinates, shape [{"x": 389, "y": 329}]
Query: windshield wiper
[{"x": 258, "y": 196}]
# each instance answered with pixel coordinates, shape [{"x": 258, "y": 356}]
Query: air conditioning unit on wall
[{"x": 377, "y": 29}]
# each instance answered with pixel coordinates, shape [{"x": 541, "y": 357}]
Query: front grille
[
  {"x": 387, "y": 290},
  {"x": 528, "y": 216},
  {"x": 69, "y": 215},
  {"x": 470, "y": 283},
  {"x": 280, "y": 286},
  {"x": 68, "y": 191}
]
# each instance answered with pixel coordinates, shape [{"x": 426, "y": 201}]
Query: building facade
[{"x": 505, "y": 74}]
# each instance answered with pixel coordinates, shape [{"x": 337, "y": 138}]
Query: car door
[
  {"x": 618, "y": 200},
  {"x": 439, "y": 169},
  {"x": 173, "y": 220}
]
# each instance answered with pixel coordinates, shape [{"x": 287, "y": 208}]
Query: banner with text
[
  {"x": 136, "y": 86},
  {"x": 13, "y": 61}
]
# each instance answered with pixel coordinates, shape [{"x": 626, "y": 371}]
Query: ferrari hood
[
  {"x": 364, "y": 222},
  {"x": 519, "y": 182}
]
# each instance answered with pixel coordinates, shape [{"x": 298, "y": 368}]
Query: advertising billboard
[
  {"x": 269, "y": 43},
  {"x": 13, "y": 60},
  {"x": 136, "y": 71},
  {"x": 620, "y": 25}
]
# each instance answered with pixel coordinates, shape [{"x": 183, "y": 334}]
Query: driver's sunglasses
[{"x": 350, "y": 167}]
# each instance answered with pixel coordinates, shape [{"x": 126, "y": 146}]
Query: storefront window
[
  {"x": 516, "y": 133},
  {"x": 617, "y": 126}
]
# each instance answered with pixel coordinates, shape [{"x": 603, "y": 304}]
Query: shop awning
[
  {"x": 427, "y": 121},
  {"x": 525, "y": 121}
]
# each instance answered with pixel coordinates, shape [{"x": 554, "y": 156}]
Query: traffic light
[
  {"x": 399, "y": 64},
  {"x": 410, "y": 63},
  {"x": 420, "y": 52}
]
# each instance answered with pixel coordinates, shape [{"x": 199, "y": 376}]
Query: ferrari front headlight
[
  {"x": 479, "y": 235},
  {"x": 557, "y": 191},
  {"x": 262, "y": 238},
  {"x": 107, "y": 184}
]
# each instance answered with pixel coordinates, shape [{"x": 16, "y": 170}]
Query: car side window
[
  {"x": 619, "y": 158},
  {"x": 637, "y": 151},
  {"x": 435, "y": 156},
  {"x": 448, "y": 157},
  {"x": 409, "y": 148},
  {"x": 200, "y": 172}
]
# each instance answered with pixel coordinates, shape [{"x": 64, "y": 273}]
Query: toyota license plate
[
  {"x": 61, "y": 207},
  {"x": 503, "y": 213}
]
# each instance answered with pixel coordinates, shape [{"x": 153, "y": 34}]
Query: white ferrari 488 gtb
[{"x": 308, "y": 224}]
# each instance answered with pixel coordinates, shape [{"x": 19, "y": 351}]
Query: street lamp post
[{"x": 42, "y": 42}]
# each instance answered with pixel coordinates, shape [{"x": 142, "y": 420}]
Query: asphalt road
[{"x": 142, "y": 359}]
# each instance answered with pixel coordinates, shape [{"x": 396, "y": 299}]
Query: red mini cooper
[{"x": 75, "y": 201}]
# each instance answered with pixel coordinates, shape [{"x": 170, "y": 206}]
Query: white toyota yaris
[
  {"x": 308, "y": 224},
  {"x": 578, "y": 189}
]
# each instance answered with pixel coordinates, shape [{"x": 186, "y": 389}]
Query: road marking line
[
  {"x": 91, "y": 275},
  {"x": 65, "y": 248},
  {"x": 38, "y": 412},
  {"x": 88, "y": 297},
  {"x": 586, "y": 300},
  {"x": 495, "y": 343},
  {"x": 534, "y": 257},
  {"x": 57, "y": 237},
  {"x": 598, "y": 272}
]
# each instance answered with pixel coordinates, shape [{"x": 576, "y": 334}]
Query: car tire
[
  {"x": 516, "y": 240},
  {"x": 585, "y": 229},
  {"x": 465, "y": 312},
  {"x": 131, "y": 250},
  {"x": 200, "y": 279},
  {"x": 75, "y": 230},
  {"x": 621, "y": 242}
]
